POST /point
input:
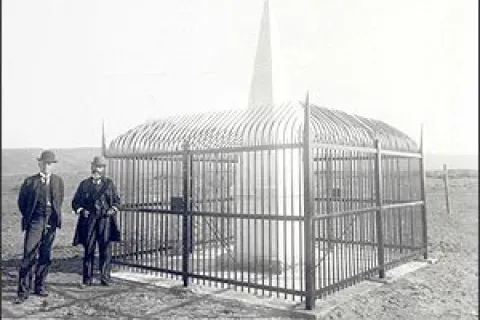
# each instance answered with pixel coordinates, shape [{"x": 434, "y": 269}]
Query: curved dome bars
[
  {"x": 342, "y": 134},
  {"x": 239, "y": 127},
  {"x": 327, "y": 134},
  {"x": 175, "y": 138},
  {"x": 278, "y": 129},
  {"x": 219, "y": 131},
  {"x": 251, "y": 123},
  {"x": 248, "y": 121},
  {"x": 210, "y": 132},
  {"x": 404, "y": 142},
  {"x": 131, "y": 138},
  {"x": 158, "y": 131},
  {"x": 155, "y": 128},
  {"x": 275, "y": 120},
  {"x": 143, "y": 142},
  {"x": 346, "y": 121},
  {"x": 268, "y": 116},
  {"x": 367, "y": 133},
  {"x": 198, "y": 129},
  {"x": 340, "y": 127},
  {"x": 274, "y": 116},
  {"x": 319, "y": 128},
  {"x": 342, "y": 131},
  {"x": 116, "y": 145},
  {"x": 265, "y": 125},
  {"x": 121, "y": 144},
  {"x": 167, "y": 141},
  {"x": 390, "y": 137},
  {"x": 362, "y": 135},
  {"x": 294, "y": 124},
  {"x": 232, "y": 118}
]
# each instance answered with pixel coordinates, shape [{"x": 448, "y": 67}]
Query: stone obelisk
[
  {"x": 261, "y": 89},
  {"x": 265, "y": 245}
]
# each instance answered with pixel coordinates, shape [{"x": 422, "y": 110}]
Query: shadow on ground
[
  {"x": 124, "y": 299},
  {"x": 10, "y": 267}
]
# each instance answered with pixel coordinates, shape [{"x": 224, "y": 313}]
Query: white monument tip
[{"x": 269, "y": 82}]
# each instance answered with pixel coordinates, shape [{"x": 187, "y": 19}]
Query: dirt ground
[{"x": 447, "y": 289}]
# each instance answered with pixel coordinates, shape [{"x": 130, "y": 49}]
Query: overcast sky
[{"x": 68, "y": 64}]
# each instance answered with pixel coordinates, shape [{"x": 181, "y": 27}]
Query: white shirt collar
[
  {"x": 96, "y": 180},
  {"x": 45, "y": 177}
]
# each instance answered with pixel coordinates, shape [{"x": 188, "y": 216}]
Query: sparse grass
[{"x": 452, "y": 174}]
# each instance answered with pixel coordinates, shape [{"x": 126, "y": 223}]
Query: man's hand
[
  {"x": 85, "y": 213},
  {"x": 111, "y": 212}
]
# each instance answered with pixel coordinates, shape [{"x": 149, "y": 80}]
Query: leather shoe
[
  {"x": 85, "y": 284},
  {"x": 105, "y": 283},
  {"x": 20, "y": 299},
  {"x": 41, "y": 292}
]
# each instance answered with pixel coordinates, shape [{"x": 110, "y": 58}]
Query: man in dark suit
[
  {"x": 96, "y": 202},
  {"x": 40, "y": 203}
]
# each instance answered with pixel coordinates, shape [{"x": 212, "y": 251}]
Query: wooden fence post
[{"x": 445, "y": 181}]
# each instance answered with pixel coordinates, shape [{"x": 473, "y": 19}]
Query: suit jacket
[
  {"x": 28, "y": 197},
  {"x": 97, "y": 202}
]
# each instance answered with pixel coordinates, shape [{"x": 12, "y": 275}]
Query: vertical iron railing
[
  {"x": 424, "y": 196},
  {"x": 380, "y": 211},
  {"x": 186, "y": 216},
  {"x": 309, "y": 259}
]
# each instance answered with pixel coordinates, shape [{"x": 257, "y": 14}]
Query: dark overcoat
[
  {"x": 97, "y": 201},
  {"x": 28, "y": 197}
]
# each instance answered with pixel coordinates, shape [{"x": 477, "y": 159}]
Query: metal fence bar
[
  {"x": 186, "y": 214},
  {"x": 308, "y": 212},
  {"x": 423, "y": 196},
  {"x": 379, "y": 215},
  {"x": 284, "y": 207}
]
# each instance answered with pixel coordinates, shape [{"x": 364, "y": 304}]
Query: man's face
[
  {"x": 45, "y": 167},
  {"x": 98, "y": 171}
]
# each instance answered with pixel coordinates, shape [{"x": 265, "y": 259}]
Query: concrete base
[
  {"x": 259, "y": 264},
  {"x": 291, "y": 308},
  {"x": 400, "y": 271},
  {"x": 429, "y": 260}
]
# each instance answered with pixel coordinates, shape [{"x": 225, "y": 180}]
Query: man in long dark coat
[
  {"x": 40, "y": 203},
  {"x": 96, "y": 202}
]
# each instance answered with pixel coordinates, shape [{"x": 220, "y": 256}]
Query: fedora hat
[
  {"x": 99, "y": 161},
  {"x": 47, "y": 156}
]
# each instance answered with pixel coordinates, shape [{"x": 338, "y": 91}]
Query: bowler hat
[
  {"x": 99, "y": 161},
  {"x": 47, "y": 156}
]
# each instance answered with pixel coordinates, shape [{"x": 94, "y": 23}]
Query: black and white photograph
[{"x": 239, "y": 159}]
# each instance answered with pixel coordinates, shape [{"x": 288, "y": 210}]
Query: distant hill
[
  {"x": 24, "y": 161},
  {"x": 453, "y": 161}
]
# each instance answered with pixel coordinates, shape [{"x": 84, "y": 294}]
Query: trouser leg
[
  {"x": 89, "y": 257},
  {"x": 33, "y": 237},
  {"x": 105, "y": 253},
  {"x": 105, "y": 257},
  {"x": 44, "y": 257}
]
